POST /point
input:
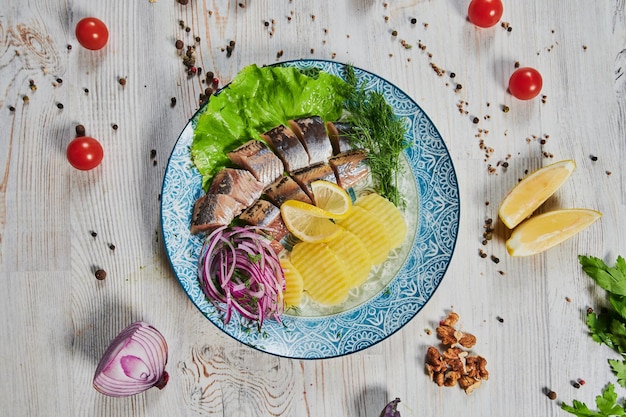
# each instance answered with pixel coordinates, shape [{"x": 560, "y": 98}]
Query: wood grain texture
[{"x": 56, "y": 318}]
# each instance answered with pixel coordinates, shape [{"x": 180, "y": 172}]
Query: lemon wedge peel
[
  {"x": 530, "y": 193},
  {"x": 544, "y": 231}
]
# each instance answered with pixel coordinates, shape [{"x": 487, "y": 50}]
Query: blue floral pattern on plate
[{"x": 389, "y": 309}]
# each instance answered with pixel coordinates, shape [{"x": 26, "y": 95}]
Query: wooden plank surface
[{"x": 56, "y": 318}]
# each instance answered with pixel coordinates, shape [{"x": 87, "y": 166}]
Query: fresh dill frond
[{"x": 378, "y": 130}]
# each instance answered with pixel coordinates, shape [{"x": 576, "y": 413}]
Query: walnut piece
[{"x": 454, "y": 364}]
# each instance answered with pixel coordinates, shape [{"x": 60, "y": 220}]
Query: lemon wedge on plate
[
  {"x": 332, "y": 198},
  {"x": 308, "y": 222},
  {"x": 542, "y": 232},
  {"x": 533, "y": 191}
]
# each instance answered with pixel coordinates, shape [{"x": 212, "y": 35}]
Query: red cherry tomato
[
  {"x": 485, "y": 13},
  {"x": 525, "y": 83},
  {"x": 84, "y": 153},
  {"x": 92, "y": 33}
]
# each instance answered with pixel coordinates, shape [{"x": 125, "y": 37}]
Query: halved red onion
[{"x": 134, "y": 362}]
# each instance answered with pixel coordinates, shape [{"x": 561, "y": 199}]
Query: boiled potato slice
[
  {"x": 372, "y": 232},
  {"x": 388, "y": 214},
  {"x": 353, "y": 253},
  {"x": 294, "y": 287},
  {"x": 324, "y": 276}
]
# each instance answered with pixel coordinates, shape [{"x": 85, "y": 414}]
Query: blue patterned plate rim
[{"x": 384, "y": 313}]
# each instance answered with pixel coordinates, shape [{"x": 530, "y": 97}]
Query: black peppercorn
[{"x": 101, "y": 274}]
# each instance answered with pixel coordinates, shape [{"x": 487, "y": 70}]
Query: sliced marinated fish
[
  {"x": 286, "y": 188},
  {"x": 212, "y": 211},
  {"x": 266, "y": 215},
  {"x": 238, "y": 184},
  {"x": 312, "y": 133},
  {"x": 305, "y": 176},
  {"x": 350, "y": 167},
  {"x": 339, "y": 135},
  {"x": 288, "y": 147},
  {"x": 257, "y": 158}
]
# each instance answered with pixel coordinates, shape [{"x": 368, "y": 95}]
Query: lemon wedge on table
[
  {"x": 332, "y": 198},
  {"x": 307, "y": 222},
  {"x": 533, "y": 191},
  {"x": 544, "y": 231}
]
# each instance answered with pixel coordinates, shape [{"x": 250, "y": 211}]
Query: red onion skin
[
  {"x": 391, "y": 409},
  {"x": 134, "y": 362}
]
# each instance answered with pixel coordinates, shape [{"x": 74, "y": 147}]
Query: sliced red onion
[
  {"x": 238, "y": 269},
  {"x": 134, "y": 362}
]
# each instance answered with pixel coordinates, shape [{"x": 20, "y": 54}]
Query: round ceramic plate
[{"x": 395, "y": 292}]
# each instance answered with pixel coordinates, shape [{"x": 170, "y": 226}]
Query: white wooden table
[{"x": 56, "y": 318}]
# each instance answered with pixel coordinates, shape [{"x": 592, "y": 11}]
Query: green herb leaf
[
  {"x": 380, "y": 132},
  {"x": 612, "y": 279},
  {"x": 606, "y": 403},
  {"x": 619, "y": 369}
]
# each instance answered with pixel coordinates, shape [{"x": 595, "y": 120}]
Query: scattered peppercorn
[
  {"x": 179, "y": 44},
  {"x": 413, "y": 21},
  {"x": 505, "y": 108},
  {"x": 394, "y": 33},
  {"x": 242, "y": 5},
  {"x": 11, "y": 108},
  {"x": 495, "y": 259},
  {"x": 93, "y": 234},
  {"x": 101, "y": 274},
  {"x": 80, "y": 131},
  {"x": 173, "y": 101},
  {"x": 475, "y": 120},
  {"x": 500, "y": 319},
  {"x": 60, "y": 81},
  {"x": 482, "y": 254},
  {"x": 60, "y": 106},
  {"x": 198, "y": 39},
  {"x": 266, "y": 23},
  {"x": 69, "y": 47},
  {"x": 575, "y": 384},
  {"x": 114, "y": 126},
  {"x": 183, "y": 2},
  {"x": 122, "y": 81},
  {"x": 153, "y": 153},
  {"x": 25, "y": 99},
  {"x": 86, "y": 90},
  {"x": 279, "y": 53},
  {"x": 112, "y": 246},
  {"x": 593, "y": 158},
  {"x": 552, "y": 395}
]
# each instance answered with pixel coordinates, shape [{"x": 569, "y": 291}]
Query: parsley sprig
[{"x": 609, "y": 328}]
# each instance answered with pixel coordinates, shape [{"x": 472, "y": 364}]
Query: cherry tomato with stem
[
  {"x": 485, "y": 13},
  {"x": 84, "y": 153},
  {"x": 92, "y": 33},
  {"x": 525, "y": 83}
]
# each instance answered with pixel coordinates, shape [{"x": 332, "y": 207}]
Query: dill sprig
[{"x": 378, "y": 130}]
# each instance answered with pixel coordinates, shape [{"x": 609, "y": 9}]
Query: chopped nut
[
  {"x": 446, "y": 334},
  {"x": 451, "y": 320},
  {"x": 467, "y": 340}
]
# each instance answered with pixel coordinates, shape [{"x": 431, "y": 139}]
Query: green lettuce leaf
[{"x": 257, "y": 100}]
